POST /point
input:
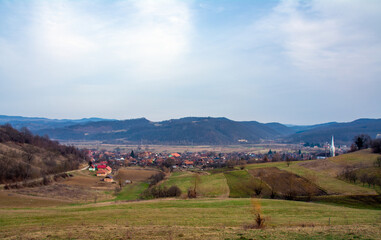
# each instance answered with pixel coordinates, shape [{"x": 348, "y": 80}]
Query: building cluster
[{"x": 103, "y": 162}]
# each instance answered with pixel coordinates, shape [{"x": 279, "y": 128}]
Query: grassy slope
[
  {"x": 363, "y": 157},
  {"x": 331, "y": 184},
  {"x": 132, "y": 191},
  {"x": 183, "y": 180},
  {"x": 190, "y": 219},
  {"x": 238, "y": 182},
  {"x": 214, "y": 185}
]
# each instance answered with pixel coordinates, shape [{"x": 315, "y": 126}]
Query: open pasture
[
  {"x": 135, "y": 174},
  {"x": 190, "y": 219}
]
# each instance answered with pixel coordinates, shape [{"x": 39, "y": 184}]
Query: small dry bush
[{"x": 259, "y": 219}]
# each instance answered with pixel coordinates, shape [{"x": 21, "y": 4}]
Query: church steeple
[{"x": 332, "y": 149}]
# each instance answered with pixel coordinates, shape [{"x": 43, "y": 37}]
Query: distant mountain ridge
[
  {"x": 190, "y": 130},
  {"x": 343, "y": 132},
  {"x": 194, "y": 130},
  {"x": 37, "y": 123}
]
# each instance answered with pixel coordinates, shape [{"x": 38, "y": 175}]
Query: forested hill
[
  {"x": 343, "y": 132},
  {"x": 26, "y": 156},
  {"x": 191, "y": 130},
  {"x": 195, "y": 130}
]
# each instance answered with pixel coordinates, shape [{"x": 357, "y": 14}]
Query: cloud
[
  {"x": 168, "y": 58},
  {"x": 327, "y": 36},
  {"x": 143, "y": 39}
]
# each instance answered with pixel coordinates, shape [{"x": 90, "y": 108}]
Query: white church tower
[{"x": 332, "y": 149}]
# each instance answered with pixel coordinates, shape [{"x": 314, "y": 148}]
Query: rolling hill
[
  {"x": 24, "y": 156},
  {"x": 189, "y": 130},
  {"x": 193, "y": 130},
  {"x": 343, "y": 132},
  {"x": 35, "y": 123}
]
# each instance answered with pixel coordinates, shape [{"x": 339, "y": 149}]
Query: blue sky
[{"x": 298, "y": 62}]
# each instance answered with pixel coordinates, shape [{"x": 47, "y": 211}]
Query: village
[{"x": 104, "y": 163}]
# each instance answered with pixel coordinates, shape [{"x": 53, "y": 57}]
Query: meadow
[{"x": 190, "y": 219}]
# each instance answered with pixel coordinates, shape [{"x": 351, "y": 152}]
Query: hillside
[
  {"x": 35, "y": 123},
  {"x": 24, "y": 156},
  {"x": 213, "y": 131},
  {"x": 343, "y": 132},
  {"x": 193, "y": 130}
]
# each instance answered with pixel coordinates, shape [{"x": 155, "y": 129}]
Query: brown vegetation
[
  {"x": 135, "y": 174},
  {"x": 24, "y": 156},
  {"x": 286, "y": 184}
]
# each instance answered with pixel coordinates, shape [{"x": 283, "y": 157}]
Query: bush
[
  {"x": 377, "y": 162},
  {"x": 174, "y": 191},
  {"x": 192, "y": 193},
  {"x": 376, "y": 146},
  {"x": 160, "y": 192},
  {"x": 156, "y": 178}
]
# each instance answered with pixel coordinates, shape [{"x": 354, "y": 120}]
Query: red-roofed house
[
  {"x": 176, "y": 155},
  {"x": 186, "y": 162},
  {"x": 101, "y": 166},
  {"x": 101, "y": 173}
]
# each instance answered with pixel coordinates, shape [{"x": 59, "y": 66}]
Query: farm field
[
  {"x": 135, "y": 174},
  {"x": 190, "y": 219}
]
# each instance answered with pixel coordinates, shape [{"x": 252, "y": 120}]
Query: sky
[{"x": 294, "y": 62}]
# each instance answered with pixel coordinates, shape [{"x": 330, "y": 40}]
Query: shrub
[
  {"x": 156, "y": 178},
  {"x": 160, "y": 192},
  {"x": 377, "y": 162},
  {"x": 376, "y": 146},
  {"x": 174, "y": 191},
  {"x": 192, "y": 193}
]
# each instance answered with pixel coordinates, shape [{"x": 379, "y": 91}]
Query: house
[
  {"x": 101, "y": 166},
  {"x": 108, "y": 178},
  {"x": 176, "y": 155},
  {"x": 101, "y": 173},
  {"x": 108, "y": 169}
]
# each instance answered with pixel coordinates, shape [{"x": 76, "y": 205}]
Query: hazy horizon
[
  {"x": 121, "y": 119},
  {"x": 293, "y": 62}
]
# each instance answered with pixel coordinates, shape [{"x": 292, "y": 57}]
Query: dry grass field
[
  {"x": 190, "y": 219},
  {"x": 283, "y": 182},
  {"x": 135, "y": 174},
  {"x": 9, "y": 199},
  {"x": 67, "y": 209},
  {"x": 334, "y": 166}
]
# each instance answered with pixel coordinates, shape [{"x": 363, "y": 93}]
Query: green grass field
[
  {"x": 239, "y": 181},
  {"x": 184, "y": 180},
  {"x": 190, "y": 219},
  {"x": 132, "y": 191},
  {"x": 213, "y": 185}
]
